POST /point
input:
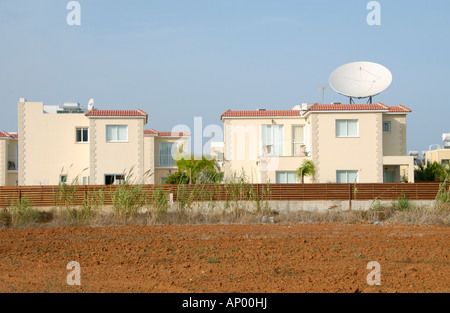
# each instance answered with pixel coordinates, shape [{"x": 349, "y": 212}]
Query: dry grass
[{"x": 384, "y": 214}]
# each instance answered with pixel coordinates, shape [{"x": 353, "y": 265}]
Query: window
[
  {"x": 12, "y": 157},
  {"x": 346, "y": 128},
  {"x": 347, "y": 177},
  {"x": 286, "y": 178},
  {"x": 297, "y": 141},
  {"x": 386, "y": 127},
  {"x": 85, "y": 180},
  {"x": 165, "y": 153},
  {"x": 63, "y": 179},
  {"x": 116, "y": 133},
  {"x": 163, "y": 180},
  {"x": 114, "y": 179},
  {"x": 81, "y": 134},
  {"x": 272, "y": 139},
  {"x": 445, "y": 162}
]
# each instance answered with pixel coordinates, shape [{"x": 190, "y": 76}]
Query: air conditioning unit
[{"x": 306, "y": 106}]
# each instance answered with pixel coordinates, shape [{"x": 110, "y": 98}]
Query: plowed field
[{"x": 264, "y": 258}]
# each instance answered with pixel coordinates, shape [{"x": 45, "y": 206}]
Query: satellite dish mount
[{"x": 369, "y": 100}]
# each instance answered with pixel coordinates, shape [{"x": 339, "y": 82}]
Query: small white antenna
[{"x": 323, "y": 88}]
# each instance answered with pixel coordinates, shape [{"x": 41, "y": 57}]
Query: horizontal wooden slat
[{"x": 76, "y": 195}]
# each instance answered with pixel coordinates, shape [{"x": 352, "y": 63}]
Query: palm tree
[{"x": 307, "y": 169}]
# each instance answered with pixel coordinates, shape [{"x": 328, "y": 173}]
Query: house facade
[
  {"x": 71, "y": 144},
  {"x": 439, "y": 155},
  {"x": 164, "y": 147},
  {"x": 364, "y": 143}
]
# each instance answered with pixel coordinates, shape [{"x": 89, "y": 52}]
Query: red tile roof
[
  {"x": 173, "y": 134},
  {"x": 346, "y": 107},
  {"x": 358, "y": 107},
  {"x": 319, "y": 108},
  {"x": 8, "y": 135},
  {"x": 150, "y": 132},
  {"x": 95, "y": 112},
  {"x": 400, "y": 108},
  {"x": 258, "y": 113},
  {"x": 165, "y": 134}
]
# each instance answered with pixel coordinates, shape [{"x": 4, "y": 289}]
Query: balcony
[{"x": 297, "y": 150}]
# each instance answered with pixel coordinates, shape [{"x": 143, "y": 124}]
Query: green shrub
[
  {"x": 160, "y": 201},
  {"x": 22, "y": 212},
  {"x": 402, "y": 203},
  {"x": 443, "y": 196},
  {"x": 127, "y": 200}
]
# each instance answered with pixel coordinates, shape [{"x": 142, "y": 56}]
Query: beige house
[
  {"x": 68, "y": 143},
  {"x": 364, "y": 143},
  {"x": 163, "y": 146},
  {"x": 439, "y": 155}
]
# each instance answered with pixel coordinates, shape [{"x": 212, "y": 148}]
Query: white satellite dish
[
  {"x": 91, "y": 104},
  {"x": 360, "y": 80}
]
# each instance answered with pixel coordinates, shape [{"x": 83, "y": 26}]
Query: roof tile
[
  {"x": 5, "y": 134},
  {"x": 258, "y": 113},
  {"x": 319, "y": 108},
  {"x": 95, "y": 112}
]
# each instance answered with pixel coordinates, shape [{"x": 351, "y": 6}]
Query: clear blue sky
[{"x": 177, "y": 59}]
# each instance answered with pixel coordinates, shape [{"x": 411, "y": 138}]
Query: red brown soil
[{"x": 285, "y": 258}]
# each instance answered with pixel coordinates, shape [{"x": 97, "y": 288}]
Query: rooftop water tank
[
  {"x": 71, "y": 106},
  {"x": 446, "y": 140}
]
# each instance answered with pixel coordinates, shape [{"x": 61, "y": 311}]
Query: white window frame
[
  {"x": 170, "y": 154},
  {"x": 83, "y": 178},
  {"x": 297, "y": 142},
  {"x": 286, "y": 173},
  {"x": 81, "y": 129},
  {"x": 387, "y": 123},
  {"x": 117, "y": 133},
  {"x": 347, "y": 176},
  {"x": 272, "y": 152},
  {"x": 346, "y": 128}
]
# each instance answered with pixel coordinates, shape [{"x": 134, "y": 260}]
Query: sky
[{"x": 184, "y": 59}]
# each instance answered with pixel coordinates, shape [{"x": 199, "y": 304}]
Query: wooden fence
[{"x": 49, "y": 196}]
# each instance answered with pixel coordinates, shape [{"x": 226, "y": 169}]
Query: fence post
[
  {"x": 350, "y": 197},
  {"x": 86, "y": 201}
]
